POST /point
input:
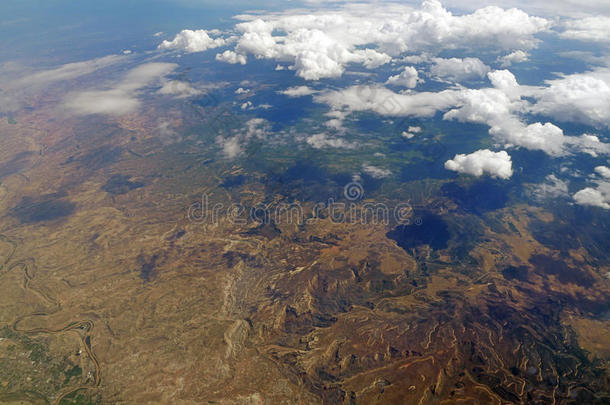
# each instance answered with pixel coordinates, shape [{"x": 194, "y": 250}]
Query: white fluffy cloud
[
  {"x": 494, "y": 108},
  {"x": 518, "y": 56},
  {"x": 122, "y": 98},
  {"x": 231, "y": 57},
  {"x": 595, "y": 197},
  {"x": 496, "y": 164},
  {"x": 582, "y": 97},
  {"x": 505, "y": 81},
  {"x": 598, "y": 196},
  {"x": 298, "y": 91},
  {"x": 411, "y": 131},
  {"x": 566, "y": 8},
  {"x": 178, "y": 89},
  {"x": 407, "y": 78},
  {"x": 603, "y": 171},
  {"x": 498, "y": 107},
  {"x": 193, "y": 41},
  {"x": 231, "y": 147},
  {"x": 590, "y": 29},
  {"x": 501, "y": 107},
  {"x": 386, "y": 102},
  {"x": 589, "y": 144},
  {"x": 320, "y": 44},
  {"x": 456, "y": 69},
  {"x": 376, "y": 172}
]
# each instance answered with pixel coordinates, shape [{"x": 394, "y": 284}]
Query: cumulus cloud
[
  {"x": 314, "y": 53},
  {"x": 603, "y": 171},
  {"x": 518, "y": 56},
  {"x": 537, "y": 136},
  {"x": 178, "y": 89},
  {"x": 581, "y": 97},
  {"x": 231, "y": 147},
  {"x": 590, "y": 29},
  {"x": 298, "y": 91},
  {"x": 589, "y": 144},
  {"x": 598, "y": 196},
  {"x": 456, "y": 69},
  {"x": 320, "y": 44},
  {"x": 410, "y": 133},
  {"x": 498, "y": 108},
  {"x": 566, "y": 8},
  {"x": 122, "y": 97},
  {"x": 501, "y": 107},
  {"x": 407, "y": 78},
  {"x": 474, "y": 105},
  {"x": 496, "y": 164},
  {"x": 416, "y": 59},
  {"x": 386, "y": 102},
  {"x": 505, "y": 81},
  {"x": 192, "y": 41},
  {"x": 336, "y": 120},
  {"x": 595, "y": 197},
  {"x": 376, "y": 172},
  {"x": 229, "y": 56}
]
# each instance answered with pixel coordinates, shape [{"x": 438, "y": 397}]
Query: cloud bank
[{"x": 321, "y": 44}]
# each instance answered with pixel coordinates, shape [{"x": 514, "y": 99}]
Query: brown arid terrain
[{"x": 111, "y": 294}]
